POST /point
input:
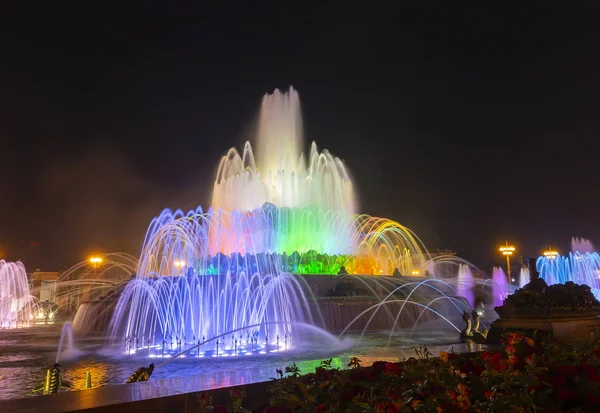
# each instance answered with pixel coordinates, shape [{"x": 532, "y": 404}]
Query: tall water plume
[
  {"x": 580, "y": 268},
  {"x": 280, "y": 174},
  {"x": 16, "y": 303},
  {"x": 465, "y": 284},
  {"x": 524, "y": 276},
  {"x": 501, "y": 287},
  {"x": 581, "y": 245}
]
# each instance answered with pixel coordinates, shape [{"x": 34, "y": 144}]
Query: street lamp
[
  {"x": 507, "y": 251},
  {"x": 95, "y": 262},
  {"x": 550, "y": 253},
  {"x": 179, "y": 264}
]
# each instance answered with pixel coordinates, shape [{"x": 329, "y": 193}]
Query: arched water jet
[
  {"x": 375, "y": 306},
  {"x": 419, "y": 289}
]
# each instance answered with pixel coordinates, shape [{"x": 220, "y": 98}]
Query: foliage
[
  {"x": 519, "y": 376},
  {"x": 557, "y": 299}
]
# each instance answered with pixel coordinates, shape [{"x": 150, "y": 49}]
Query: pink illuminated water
[
  {"x": 501, "y": 286},
  {"x": 465, "y": 284}
]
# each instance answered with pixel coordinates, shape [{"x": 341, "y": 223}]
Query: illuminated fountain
[
  {"x": 501, "y": 288},
  {"x": 92, "y": 287},
  {"x": 581, "y": 266},
  {"x": 229, "y": 279},
  {"x": 465, "y": 284},
  {"x": 524, "y": 276},
  {"x": 281, "y": 174},
  {"x": 17, "y": 305},
  {"x": 582, "y": 246}
]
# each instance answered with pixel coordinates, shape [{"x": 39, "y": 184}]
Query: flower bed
[{"x": 518, "y": 377}]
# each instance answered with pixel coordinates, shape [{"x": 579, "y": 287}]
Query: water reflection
[{"x": 26, "y": 354}]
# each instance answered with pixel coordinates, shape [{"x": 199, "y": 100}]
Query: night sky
[{"x": 470, "y": 124}]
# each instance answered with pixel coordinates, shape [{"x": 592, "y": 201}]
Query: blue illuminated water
[{"x": 26, "y": 353}]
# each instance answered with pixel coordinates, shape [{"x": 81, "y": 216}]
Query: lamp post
[
  {"x": 507, "y": 251},
  {"x": 95, "y": 262},
  {"x": 550, "y": 253}
]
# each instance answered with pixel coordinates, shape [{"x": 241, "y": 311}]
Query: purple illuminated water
[
  {"x": 501, "y": 286},
  {"x": 465, "y": 284},
  {"x": 581, "y": 245},
  {"x": 25, "y": 354}
]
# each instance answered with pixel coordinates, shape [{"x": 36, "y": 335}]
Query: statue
[
  {"x": 141, "y": 374},
  {"x": 476, "y": 318},
  {"x": 469, "y": 335},
  {"x": 54, "y": 381},
  {"x": 88, "y": 380}
]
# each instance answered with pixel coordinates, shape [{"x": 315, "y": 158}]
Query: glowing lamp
[
  {"x": 550, "y": 253},
  {"x": 179, "y": 264},
  {"x": 95, "y": 261},
  {"x": 507, "y": 251},
  {"x": 415, "y": 272}
]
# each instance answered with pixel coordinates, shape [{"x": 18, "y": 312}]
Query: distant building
[
  {"x": 42, "y": 285},
  {"x": 441, "y": 253}
]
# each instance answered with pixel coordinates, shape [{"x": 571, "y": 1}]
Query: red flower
[
  {"x": 379, "y": 366},
  {"x": 554, "y": 380},
  {"x": 593, "y": 400},
  {"x": 388, "y": 407},
  {"x": 497, "y": 362},
  {"x": 392, "y": 394},
  {"x": 322, "y": 408},
  {"x": 566, "y": 393},
  {"x": 391, "y": 408},
  {"x": 567, "y": 371},
  {"x": 589, "y": 372},
  {"x": 277, "y": 409},
  {"x": 451, "y": 408},
  {"x": 393, "y": 369},
  {"x": 471, "y": 368}
]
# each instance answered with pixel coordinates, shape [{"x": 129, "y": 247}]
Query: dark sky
[{"x": 470, "y": 124}]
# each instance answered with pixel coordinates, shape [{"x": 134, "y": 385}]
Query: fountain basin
[{"x": 564, "y": 328}]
